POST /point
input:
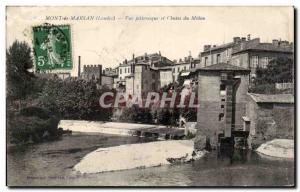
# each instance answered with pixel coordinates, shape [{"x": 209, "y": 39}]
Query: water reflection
[{"x": 51, "y": 164}]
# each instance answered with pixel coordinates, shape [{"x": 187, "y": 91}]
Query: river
[{"x": 51, "y": 163}]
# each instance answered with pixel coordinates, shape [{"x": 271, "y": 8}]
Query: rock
[{"x": 280, "y": 148}]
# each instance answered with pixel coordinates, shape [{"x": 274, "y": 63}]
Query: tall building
[
  {"x": 103, "y": 77},
  {"x": 252, "y": 54},
  {"x": 143, "y": 74},
  {"x": 246, "y": 52},
  {"x": 222, "y": 96},
  {"x": 92, "y": 73}
]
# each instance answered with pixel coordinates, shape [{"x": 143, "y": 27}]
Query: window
[
  {"x": 222, "y": 106},
  {"x": 205, "y": 61},
  {"x": 223, "y": 90},
  {"x": 221, "y": 116},
  {"x": 173, "y": 70},
  {"x": 265, "y": 62},
  {"x": 184, "y": 68},
  {"x": 222, "y": 87},
  {"x": 178, "y": 69},
  {"x": 218, "y": 58},
  {"x": 254, "y": 61},
  {"x": 125, "y": 70},
  {"x": 120, "y": 71}
]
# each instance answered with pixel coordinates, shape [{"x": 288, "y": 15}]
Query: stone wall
[
  {"x": 212, "y": 114},
  {"x": 269, "y": 121}
]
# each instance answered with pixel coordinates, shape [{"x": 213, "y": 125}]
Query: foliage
[
  {"x": 135, "y": 114},
  {"x": 18, "y": 61},
  {"x": 279, "y": 70},
  {"x": 168, "y": 116},
  {"x": 32, "y": 125},
  {"x": 74, "y": 99}
]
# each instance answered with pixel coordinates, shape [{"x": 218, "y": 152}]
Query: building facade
[
  {"x": 269, "y": 116},
  {"x": 92, "y": 73},
  {"x": 222, "y": 96},
  {"x": 246, "y": 52},
  {"x": 187, "y": 64},
  {"x": 253, "y": 54}
]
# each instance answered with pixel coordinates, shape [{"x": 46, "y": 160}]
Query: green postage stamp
[{"x": 52, "y": 47}]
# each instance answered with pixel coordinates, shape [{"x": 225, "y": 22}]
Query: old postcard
[{"x": 150, "y": 96}]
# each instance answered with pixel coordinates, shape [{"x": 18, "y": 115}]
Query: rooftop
[
  {"x": 263, "y": 47},
  {"x": 223, "y": 46},
  {"x": 272, "y": 98}
]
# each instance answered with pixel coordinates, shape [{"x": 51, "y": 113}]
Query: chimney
[
  {"x": 79, "y": 66},
  {"x": 275, "y": 42},
  {"x": 100, "y": 74},
  {"x": 214, "y": 46},
  {"x": 236, "y": 40},
  {"x": 206, "y": 47},
  {"x": 248, "y": 37},
  {"x": 243, "y": 39}
]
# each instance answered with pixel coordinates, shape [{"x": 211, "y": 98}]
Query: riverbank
[
  {"x": 114, "y": 128},
  {"x": 132, "y": 156},
  {"x": 279, "y": 148}
]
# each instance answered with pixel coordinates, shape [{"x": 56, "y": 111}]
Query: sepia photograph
[{"x": 150, "y": 96}]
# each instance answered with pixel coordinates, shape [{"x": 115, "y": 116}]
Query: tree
[
  {"x": 74, "y": 99},
  {"x": 279, "y": 70},
  {"x": 18, "y": 61}
]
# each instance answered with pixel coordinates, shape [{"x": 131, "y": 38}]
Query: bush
[
  {"x": 74, "y": 99},
  {"x": 32, "y": 124},
  {"x": 136, "y": 115}
]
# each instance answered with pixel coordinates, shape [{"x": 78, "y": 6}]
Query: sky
[{"x": 110, "y": 42}]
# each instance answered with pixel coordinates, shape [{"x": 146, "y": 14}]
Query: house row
[{"x": 150, "y": 72}]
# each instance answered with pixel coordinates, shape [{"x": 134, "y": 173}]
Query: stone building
[
  {"x": 269, "y": 116},
  {"x": 101, "y": 77},
  {"x": 187, "y": 64},
  {"x": 252, "y": 54},
  {"x": 143, "y": 74},
  {"x": 144, "y": 80},
  {"x": 246, "y": 52},
  {"x": 126, "y": 68},
  {"x": 165, "y": 76},
  {"x": 213, "y": 54},
  {"x": 92, "y": 73},
  {"x": 222, "y": 97},
  {"x": 107, "y": 77}
]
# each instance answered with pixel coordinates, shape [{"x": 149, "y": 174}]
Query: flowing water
[{"x": 51, "y": 163}]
